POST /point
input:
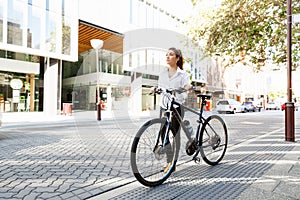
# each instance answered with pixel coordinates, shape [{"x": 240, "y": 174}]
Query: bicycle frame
[
  {"x": 174, "y": 113},
  {"x": 210, "y": 141}
]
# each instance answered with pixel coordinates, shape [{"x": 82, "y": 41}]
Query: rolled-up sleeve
[{"x": 186, "y": 80}]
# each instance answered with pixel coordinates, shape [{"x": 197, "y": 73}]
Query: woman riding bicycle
[{"x": 173, "y": 78}]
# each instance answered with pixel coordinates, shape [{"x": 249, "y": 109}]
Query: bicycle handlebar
[{"x": 159, "y": 90}]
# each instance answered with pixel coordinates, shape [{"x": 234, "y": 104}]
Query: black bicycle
[{"x": 155, "y": 147}]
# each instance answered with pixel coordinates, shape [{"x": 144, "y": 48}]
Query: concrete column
[{"x": 51, "y": 87}]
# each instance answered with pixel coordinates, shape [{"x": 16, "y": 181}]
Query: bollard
[
  {"x": 289, "y": 122},
  {"x": 98, "y": 111}
]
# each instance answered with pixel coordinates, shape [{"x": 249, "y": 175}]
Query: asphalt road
[{"x": 243, "y": 126}]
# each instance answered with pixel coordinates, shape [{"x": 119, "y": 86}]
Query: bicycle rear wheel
[
  {"x": 148, "y": 156},
  {"x": 213, "y": 140}
]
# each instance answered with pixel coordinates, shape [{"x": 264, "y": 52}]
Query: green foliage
[
  {"x": 254, "y": 31},
  {"x": 273, "y": 95}
]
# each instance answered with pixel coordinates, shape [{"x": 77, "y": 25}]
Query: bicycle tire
[
  {"x": 213, "y": 140},
  {"x": 148, "y": 159}
]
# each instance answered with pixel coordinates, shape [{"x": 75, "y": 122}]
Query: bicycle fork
[{"x": 164, "y": 134}]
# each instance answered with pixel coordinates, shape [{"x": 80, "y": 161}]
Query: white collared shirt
[{"x": 179, "y": 80}]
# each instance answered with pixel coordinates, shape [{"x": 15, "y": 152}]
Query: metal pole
[
  {"x": 97, "y": 44},
  {"x": 289, "y": 105},
  {"x": 98, "y": 87}
]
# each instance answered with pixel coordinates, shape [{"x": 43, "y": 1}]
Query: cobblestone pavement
[{"x": 81, "y": 158}]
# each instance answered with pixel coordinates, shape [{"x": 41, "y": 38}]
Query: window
[
  {"x": 15, "y": 23},
  {"x": 52, "y": 7},
  {"x": 66, "y": 26},
  {"x": 1, "y": 20},
  {"x": 46, "y": 28},
  {"x": 34, "y": 24}
]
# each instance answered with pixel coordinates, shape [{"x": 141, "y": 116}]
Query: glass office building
[{"x": 35, "y": 37}]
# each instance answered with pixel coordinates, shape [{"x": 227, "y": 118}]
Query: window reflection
[
  {"x": 66, "y": 36},
  {"x": 15, "y": 22},
  {"x": 1, "y": 20},
  {"x": 34, "y": 24},
  {"x": 51, "y": 28},
  {"x": 45, "y": 26},
  {"x": 67, "y": 10}
]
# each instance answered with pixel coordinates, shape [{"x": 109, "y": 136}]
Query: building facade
[
  {"x": 46, "y": 56},
  {"x": 148, "y": 29},
  {"x": 35, "y": 36}
]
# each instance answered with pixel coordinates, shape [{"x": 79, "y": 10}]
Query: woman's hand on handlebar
[
  {"x": 159, "y": 90},
  {"x": 155, "y": 89}
]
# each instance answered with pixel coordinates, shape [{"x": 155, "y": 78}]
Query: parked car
[
  {"x": 249, "y": 106},
  {"x": 229, "y": 106},
  {"x": 258, "y": 106},
  {"x": 296, "y": 106},
  {"x": 272, "y": 106}
]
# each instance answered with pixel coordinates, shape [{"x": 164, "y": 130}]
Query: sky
[{"x": 180, "y": 8}]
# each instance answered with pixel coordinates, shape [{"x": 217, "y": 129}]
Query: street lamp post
[
  {"x": 289, "y": 106},
  {"x": 97, "y": 44}
]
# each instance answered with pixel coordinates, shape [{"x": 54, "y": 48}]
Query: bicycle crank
[{"x": 190, "y": 147}]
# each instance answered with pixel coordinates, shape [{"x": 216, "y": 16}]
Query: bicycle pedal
[{"x": 197, "y": 160}]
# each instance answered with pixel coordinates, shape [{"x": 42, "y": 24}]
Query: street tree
[{"x": 252, "y": 31}]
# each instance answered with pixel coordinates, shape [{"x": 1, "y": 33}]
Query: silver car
[{"x": 229, "y": 106}]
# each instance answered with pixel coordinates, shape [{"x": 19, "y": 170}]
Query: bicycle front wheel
[
  {"x": 213, "y": 140},
  {"x": 152, "y": 152}
]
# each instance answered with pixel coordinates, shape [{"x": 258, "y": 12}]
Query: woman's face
[{"x": 171, "y": 58}]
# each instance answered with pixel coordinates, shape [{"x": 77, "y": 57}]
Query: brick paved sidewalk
[
  {"x": 82, "y": 158},
  {"x": 73, "y": 158},
  {"x": 266, "y": 167}
]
